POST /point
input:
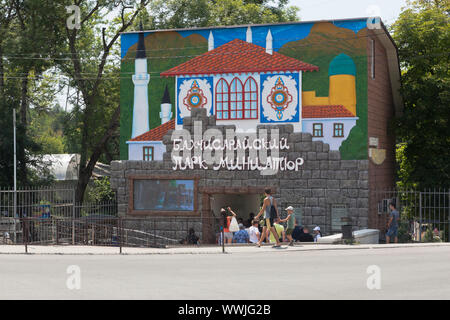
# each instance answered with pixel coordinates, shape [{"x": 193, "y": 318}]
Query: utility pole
[{"x": 15, "y": 172}]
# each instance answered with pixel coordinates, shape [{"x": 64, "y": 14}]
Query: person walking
[
  {"x": 393, "y": 224},
  {"x": 270, "y": 211},
  {"x": 290, "y": 219}
]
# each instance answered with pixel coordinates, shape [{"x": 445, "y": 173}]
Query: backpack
[{"x": 273, "y": 211}]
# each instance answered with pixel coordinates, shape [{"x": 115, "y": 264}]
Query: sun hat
[
  {"x": 289, "y": 208},
  {"x": 316, "y": 229}
]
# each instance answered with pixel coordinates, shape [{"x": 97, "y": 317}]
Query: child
[{"x": 317, "y": 234}]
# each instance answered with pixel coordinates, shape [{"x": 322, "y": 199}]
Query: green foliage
[
  {"x": 27, "y": 35},
  {"x": 169, "y": 14},
  {"x": 404, "y": 235},
  {"x": 26, "y": 149},
  {"x": 422, "y": 34},
  {"x": 46, "y": 130},
  {"x": 100, "y": 191}
]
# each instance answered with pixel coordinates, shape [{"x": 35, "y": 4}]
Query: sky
[{"x": 341, "y": 9}]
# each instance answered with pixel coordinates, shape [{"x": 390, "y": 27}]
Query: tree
[
  {"x": 27, "y": 34},
  {"x": 97, "y": 114},
  {"x": 167, "y": 14},
  {"x": 422, "y": 34}
]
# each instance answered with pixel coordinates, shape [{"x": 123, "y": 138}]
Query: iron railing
[
  {"x": 425, "y": 215},
  {"x": 112, "y": 231},
  {"x": 49, "y": 216}
]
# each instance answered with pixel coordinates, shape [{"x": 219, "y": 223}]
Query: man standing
[
  {"x": 270, "y": 211},
  {"x": 290, "y": 219},
  {"x": 392, "y": 224}
]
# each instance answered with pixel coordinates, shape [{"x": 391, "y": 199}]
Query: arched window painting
[
  {"x": 236, "y": 101},
  {"x": 251, "y": 99},
  {"x": 222, "y": 98}
]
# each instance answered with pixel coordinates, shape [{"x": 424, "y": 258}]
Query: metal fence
[
  {"x": 50, "y": 216},
  {"x": 44, "y": 207},
  {"x": 34, "y": 202},
  {"x": 425, "y": 215},
  {"x": 107, "y": 230}
]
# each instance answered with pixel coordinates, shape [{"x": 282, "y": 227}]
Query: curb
[{"x": 169, "y": 251}]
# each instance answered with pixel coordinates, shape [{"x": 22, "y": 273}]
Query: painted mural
[{"x": 310, "y": 75}]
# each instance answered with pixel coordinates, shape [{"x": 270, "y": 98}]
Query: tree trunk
[
  {"x": 2, "y": 74},
  {"x": 86, "y": 170},
  {"x": 24, "y": 101}
]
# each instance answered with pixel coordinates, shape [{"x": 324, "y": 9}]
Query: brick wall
[{"x": 380, "y": 114}]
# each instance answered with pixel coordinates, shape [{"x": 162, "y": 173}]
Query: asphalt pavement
[{"x": 245, "y": 273}]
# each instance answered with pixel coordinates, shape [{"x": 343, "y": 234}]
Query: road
[{"x": 404, "y": 273}]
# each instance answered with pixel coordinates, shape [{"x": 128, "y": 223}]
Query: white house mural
[{"x": 245, "y": 84}]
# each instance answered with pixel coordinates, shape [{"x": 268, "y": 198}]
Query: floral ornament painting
[
  {"x": 193, "y": 94},
  {"x": 195, "y": 97},
  {"x": 280, "y": 98}
]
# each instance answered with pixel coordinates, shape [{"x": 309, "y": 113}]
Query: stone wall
[{"x": 324, "y": 179}]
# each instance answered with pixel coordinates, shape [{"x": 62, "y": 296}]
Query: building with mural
[{"x": 330, "y": 87}]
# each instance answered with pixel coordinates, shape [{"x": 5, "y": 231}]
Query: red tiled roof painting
[
  {"x": 312, "y": 112},
  {"x": 309, "y": 112},
  {"x": 157, "y": 133},
  {"x": 238, "y": 56}
]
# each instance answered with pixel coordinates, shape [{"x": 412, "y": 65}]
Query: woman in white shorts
[{"x": 226, "y": 224}]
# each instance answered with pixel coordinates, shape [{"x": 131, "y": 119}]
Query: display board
[{"x": 163, "y": 195}]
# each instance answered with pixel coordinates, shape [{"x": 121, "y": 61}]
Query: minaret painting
[
  {"x": 166, "y": 107},
  {"x": 141, "y": 78}
]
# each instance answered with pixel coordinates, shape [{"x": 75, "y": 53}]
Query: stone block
[
  {"x": 306, "y": 137},
  {"x": 323, "y": 165},
  {"x": 341, "y": 174},
  {"x": 318, "y": 220},
  {"x": 334, "y": 155},
  {"x": 362, "y": 203},
  {"x": 295, "y": 137},
  {"x": 322, "y": 156},
  {"x": 317, "y": 183},
  {"x": 349, "y": 164},
  {"x": 334, "y": 165},
  {"x": 312, "y": 156},
  {"x": 363, "y": 165},
  {"x": 318, "y": 146},
  {"x": 353, "y": 174},
  {"x": 316, "y": 174},
  {"x": 349, "y": 184},
  {"x": 318, "y": 193},
  {"x": 312, "y": 202},
  {"x": 306, "y": 174},
  {"x": 363, "y": 175},
  {"x": 333, "y": 184}
]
